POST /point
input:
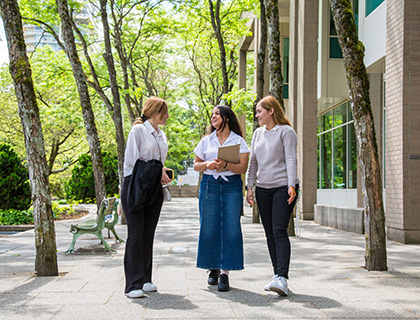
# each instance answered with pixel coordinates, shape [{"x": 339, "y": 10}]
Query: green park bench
[
  {"x": 112, "y": 220},
  {"x": 108, "y": 208}
]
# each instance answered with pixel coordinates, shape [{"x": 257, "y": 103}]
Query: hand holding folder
[{"x": 229, "y": 154}]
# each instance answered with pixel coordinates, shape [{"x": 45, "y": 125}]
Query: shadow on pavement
[{"x": 163, "y": 301}]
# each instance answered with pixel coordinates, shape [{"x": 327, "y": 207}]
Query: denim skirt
[{"x": 220, "y": 244}]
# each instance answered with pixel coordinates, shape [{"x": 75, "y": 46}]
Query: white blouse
[
  {"x": 208, "y": 148},
  {"x": 144, "y": 143}
]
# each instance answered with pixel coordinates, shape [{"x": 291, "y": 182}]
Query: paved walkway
[{"x": 327, "y": 280}]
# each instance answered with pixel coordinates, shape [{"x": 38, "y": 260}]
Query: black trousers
[
  {"x": 141, "y": 227},
  {"x": 275, "y": 215}
]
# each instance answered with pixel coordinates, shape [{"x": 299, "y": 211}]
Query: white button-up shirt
[
  {"x": 144, "y": 143},
  {"x": 208, "y": 148}
]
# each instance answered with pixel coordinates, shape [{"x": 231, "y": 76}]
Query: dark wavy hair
[{"x": 228, "y": 119}]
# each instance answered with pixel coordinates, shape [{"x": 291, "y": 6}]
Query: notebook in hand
[{"x": 229, "y": 154}]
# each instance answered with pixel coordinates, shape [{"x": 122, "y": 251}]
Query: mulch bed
[{"x": 75, "y": 215}]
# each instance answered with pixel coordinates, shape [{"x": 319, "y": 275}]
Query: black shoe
[
  {"x": 223, "y": 283},
  {"x": 213, "y": 277}
]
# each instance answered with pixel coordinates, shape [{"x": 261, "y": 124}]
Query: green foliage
[
  {"x": 15, "y": 191},
  {"x": 59, "y": 211},
  {"x": 14, "y": 217},
  {"x": 81, "y": 185},
  {"x": 17, "y": 217},
  {"x": 242, "y": 103},
  {"x": 173, "y": 54}
]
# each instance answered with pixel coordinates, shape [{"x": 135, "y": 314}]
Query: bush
[
  {"x": 13, "y": 217},
  {"x": 81, "y": 185},
  {"x": 15, "y": 190}
]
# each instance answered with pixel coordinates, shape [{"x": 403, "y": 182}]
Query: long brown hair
[
  {"x": 279, "y": 117},
  {"x": 228, "y": 118},
  {"x": 152, "y": 106}
]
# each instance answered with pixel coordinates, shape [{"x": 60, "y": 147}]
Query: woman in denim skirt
[
  {"x": 220, "y": 246},
  {"x": 273, "y": 167}
]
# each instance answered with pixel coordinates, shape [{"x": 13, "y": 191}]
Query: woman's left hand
[
  {"x": 165, "y": 179},
  {"x": 292, "y": 194},
  {"x": 220, "y": 164}
]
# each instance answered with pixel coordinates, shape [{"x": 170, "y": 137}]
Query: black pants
[
  {"x": 275, "y": 215},
  {"x": 141, "y": 226}
]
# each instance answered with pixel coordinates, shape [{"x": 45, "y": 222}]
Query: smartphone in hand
[{"x": 170, "y": 173}]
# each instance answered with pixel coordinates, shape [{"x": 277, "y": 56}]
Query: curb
[{"x": 16, "y": 227}]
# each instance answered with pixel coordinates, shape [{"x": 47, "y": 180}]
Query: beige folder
[{"x": 229, "y": 154}]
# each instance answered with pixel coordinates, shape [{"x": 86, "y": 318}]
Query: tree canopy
[{"x": 170, "y": 49}]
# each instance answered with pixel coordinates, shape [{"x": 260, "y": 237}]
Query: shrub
[
  {"x": 13, "y": 217},
  {"x": 81, "y": 185},
  {"x": 15, "y": 191}
]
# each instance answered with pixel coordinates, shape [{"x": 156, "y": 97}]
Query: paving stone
[{"x": 327, "y": 277}]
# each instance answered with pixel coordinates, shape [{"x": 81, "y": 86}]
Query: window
[
  {"x": 286, "y": 68},
  {"x": 371, "y": 5},
  {"x": 337, "y": 149},
  {"x": 335, "y": 49}
]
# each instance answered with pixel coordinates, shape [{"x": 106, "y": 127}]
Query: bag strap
[{"x": 157, "y": 142}]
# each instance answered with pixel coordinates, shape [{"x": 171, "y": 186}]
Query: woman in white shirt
[
  {"x": 220, "y": 246},
  {"x": 146, "y": 141},
  {"x": 273, "y": 167}
]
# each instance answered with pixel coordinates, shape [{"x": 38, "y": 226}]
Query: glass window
[
  {"x": 349, "y": 112},
  {"x": 318, "y": 157},
  {"x": 340, "y": 157},
  {"x": 340, "y": 115},
  {"x": 337, "y": 149},
  {"x": 319, "y": 125},
  {"x": 285, "y": 91},
  {"x": 326, "y": 121},
  {"x": 372, "y": 5},
  {"x": 285, "y": 68},
  {"x": 335, "y": 49},
  {"x": 352, "y": 157},
  {"x": 326, "y": 156},
  {"x": 356, "y": 13}
]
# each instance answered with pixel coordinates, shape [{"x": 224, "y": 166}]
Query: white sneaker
[
  {"x": 149, "y": 287},
  {"x": 267, "y": 286},
  {"x": 279, "y": 285},
  {"x": 135, "y": 294}
]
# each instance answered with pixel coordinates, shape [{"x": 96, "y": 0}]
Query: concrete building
[
  {"x": 35, "y": 36},
  {"x": 317, "y": 102}
]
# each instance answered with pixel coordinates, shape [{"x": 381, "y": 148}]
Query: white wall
[
  {"x": 372, "y": 32},
  {"x": 331, "y": 72},
  {"x": 337, "y": 197}
]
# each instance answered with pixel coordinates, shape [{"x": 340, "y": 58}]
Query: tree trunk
[
  {"x": 116, "y": 114},
  {"x": 88, "y": 116},
  {"x": 260, "y": 85},
  {"x": 261, "y": 61},
  {"x": 133, "y": 113},
  {"x": 274, "y": 57},
  {"x": 46, "y": 250},
  {"x": 217, "y": 28},
  {"x": 358, "y": 86}
]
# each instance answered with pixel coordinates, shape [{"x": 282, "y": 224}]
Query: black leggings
[
  {"x": 141, "y": 228},
  {"x": 275, "y": 215}
]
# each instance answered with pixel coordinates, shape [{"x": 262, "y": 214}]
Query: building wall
[
  {"x": 305, "y": 89},
  {"x": 372, "y": 32},
  {"x": 403, "y": 121}
]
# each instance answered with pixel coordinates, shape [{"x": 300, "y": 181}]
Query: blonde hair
[
  {"x": 152, "y": 106},
  {"x": 279, "y": 117}
]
